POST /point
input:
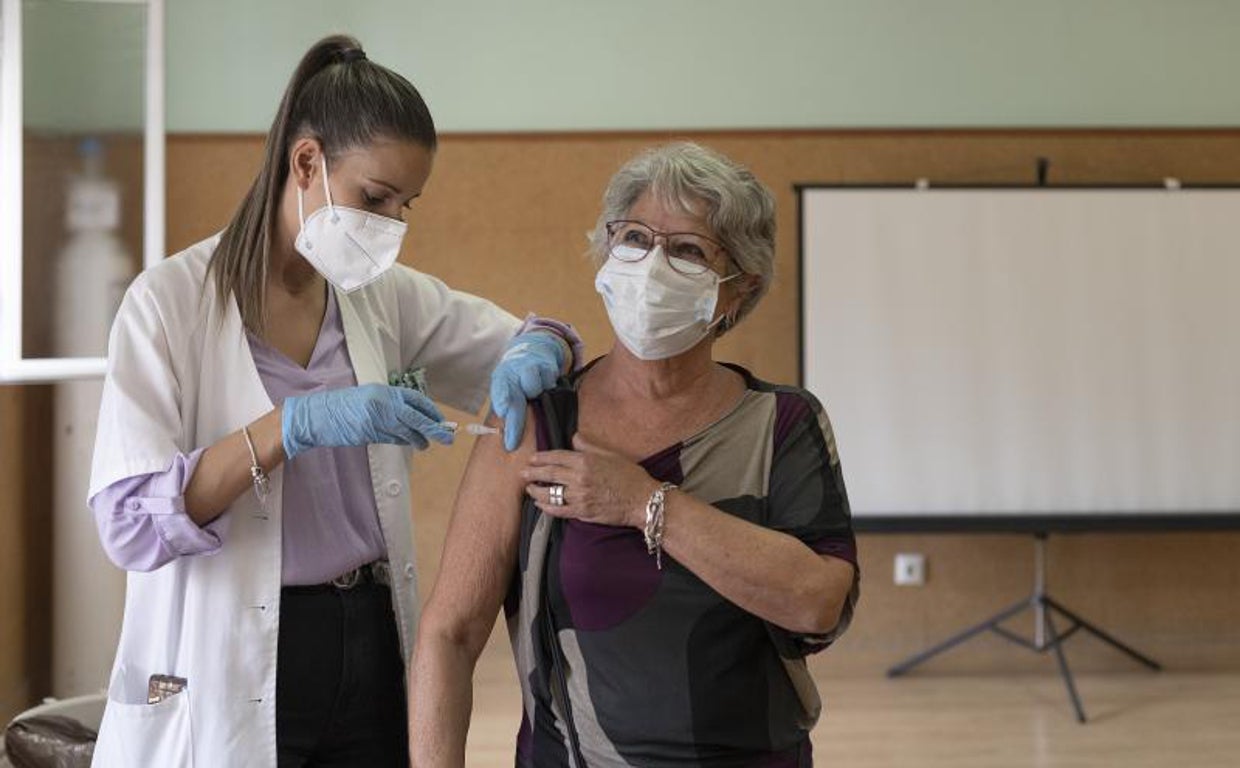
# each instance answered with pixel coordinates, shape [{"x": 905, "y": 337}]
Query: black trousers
[{"x": 340, "y": 679}]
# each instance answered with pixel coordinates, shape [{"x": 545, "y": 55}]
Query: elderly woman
[{"x": 672, "y": 538}]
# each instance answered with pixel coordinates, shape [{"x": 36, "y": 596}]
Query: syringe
[{"x": 472, "y": 429}]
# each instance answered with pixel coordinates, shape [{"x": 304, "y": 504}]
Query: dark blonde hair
[{"x": 343, "y": 100}]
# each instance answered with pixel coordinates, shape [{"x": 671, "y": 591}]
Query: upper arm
[
  {"x": 139, "y": 428},
  {"x": 456, "y": 337},
  {"x": 480, "y": 551}
]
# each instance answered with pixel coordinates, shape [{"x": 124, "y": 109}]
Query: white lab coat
[{"x": 180, "y": 376}]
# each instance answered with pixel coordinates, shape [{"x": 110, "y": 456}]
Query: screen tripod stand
[{"x": 1046, "y": 635}]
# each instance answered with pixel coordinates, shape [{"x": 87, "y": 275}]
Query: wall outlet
[{"x": 910, "y": 569}]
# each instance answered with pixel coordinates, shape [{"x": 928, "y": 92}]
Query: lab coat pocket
[{"x": 138, "y": 735}]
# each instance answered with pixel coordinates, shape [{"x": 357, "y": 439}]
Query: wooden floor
[{"x": 1136, "y": 720}]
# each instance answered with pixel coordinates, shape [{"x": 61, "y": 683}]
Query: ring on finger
[{"x": 556, "y": 493}]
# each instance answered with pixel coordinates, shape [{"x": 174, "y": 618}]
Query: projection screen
[{"x": 1006, "y": 353}]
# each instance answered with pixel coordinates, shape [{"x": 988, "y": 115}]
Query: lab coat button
[
  {"x": 135, "y": 504},
  {"x": 393, "y": 488},
  {"x": 409, "y": 571}
]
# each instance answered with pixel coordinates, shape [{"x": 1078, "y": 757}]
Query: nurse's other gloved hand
[
  {"x": 371, "y": 413},
  {"x": 531, "y": 364}
]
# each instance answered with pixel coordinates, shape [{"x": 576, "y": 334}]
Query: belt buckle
[
  {"x": 348, "y": 580},
  {"x": 381, "y": 570}
]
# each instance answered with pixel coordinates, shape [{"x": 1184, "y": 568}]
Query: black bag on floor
[{"x": 49, "y": 741}]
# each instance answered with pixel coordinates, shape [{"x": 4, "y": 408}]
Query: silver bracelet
[
  {"x": 262, "y": 486},
  {"x": 654, "y": 522}
]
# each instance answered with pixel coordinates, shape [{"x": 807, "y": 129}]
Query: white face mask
[
  {"x": 348, "y": 247},
  {"x": 656, "y": 311}
]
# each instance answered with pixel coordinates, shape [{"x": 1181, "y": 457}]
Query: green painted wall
[
  {"x": 532, "y": 65},
  {"x": 82, "y": 65}
]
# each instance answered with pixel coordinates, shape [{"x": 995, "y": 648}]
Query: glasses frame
[{"x": 614, "y": 224}]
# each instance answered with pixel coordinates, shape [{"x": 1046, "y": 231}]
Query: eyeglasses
[{"x": 687, "y": 252}]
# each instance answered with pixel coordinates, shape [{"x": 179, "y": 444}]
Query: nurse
[{"x": 251, "y": 466}]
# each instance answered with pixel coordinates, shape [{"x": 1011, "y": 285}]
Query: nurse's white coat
[{"x": 180, "y": 377}]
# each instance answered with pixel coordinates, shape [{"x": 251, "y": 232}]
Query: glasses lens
[
  {"x": 689, "y": 254},
  {"x": 630, "y": 240}
]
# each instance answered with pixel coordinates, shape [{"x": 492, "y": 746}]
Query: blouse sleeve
[
  {"x": 564, "y": 330},
  {"x": 807, "y": 500},
  {"x": 142, "y": 520}
]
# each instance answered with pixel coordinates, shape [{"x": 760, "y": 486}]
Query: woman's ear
[
  {"x": 305, "y": 161},
  {"x": 747, "y": 285},
  {"x": 742, "y": 288}
]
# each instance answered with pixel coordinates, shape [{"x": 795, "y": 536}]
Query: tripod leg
[
  {"x": 957, "y": 639},
  {"x": 1063, "y": 668},
  {"x": 1104, "y": 637}
]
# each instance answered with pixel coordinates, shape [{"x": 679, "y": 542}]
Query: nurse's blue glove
[
  {"x": 371, "y": 413},
  {"x": 530, "y": 366}
]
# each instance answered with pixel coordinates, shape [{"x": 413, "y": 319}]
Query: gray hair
[{"x": 697, "y": 181}]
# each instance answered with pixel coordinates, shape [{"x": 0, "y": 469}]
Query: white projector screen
[{"x": 1018, "y": 352}]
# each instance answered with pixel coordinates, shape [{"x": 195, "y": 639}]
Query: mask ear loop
[
  {"x": 301, "y": 219},
  {"x": 328, "y": 191},
  {"x": 301, "y": 211},
  {"x": 723, "y": 322}
]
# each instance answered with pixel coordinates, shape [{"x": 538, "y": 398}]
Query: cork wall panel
[
  {"x": 25, "y": 546},
  {"x": 505, "y": 216},
  {"x": 13, "y": 598}
]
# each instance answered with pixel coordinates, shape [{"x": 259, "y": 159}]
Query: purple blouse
[{"x": 330, "y": 522}]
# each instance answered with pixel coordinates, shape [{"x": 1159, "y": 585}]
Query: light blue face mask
[
  {"x": 656, "y": 311},
  {"x": 350, "y": 248}
]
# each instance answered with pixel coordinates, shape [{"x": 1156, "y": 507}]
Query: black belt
[{"x": 378, "y": 572}]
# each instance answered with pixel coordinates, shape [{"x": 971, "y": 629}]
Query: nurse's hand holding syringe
[
  {"x": 370, "y": 413},
  {"x": 350, "y": 416}
]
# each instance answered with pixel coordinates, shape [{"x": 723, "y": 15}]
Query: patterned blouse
[{"x": 658, "y": 668}]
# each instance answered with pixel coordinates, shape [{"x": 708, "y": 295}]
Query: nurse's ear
[{"x": 306, "y": 162}]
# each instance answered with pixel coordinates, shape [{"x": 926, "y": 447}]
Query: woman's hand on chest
[{"x": 598, "y": 486}]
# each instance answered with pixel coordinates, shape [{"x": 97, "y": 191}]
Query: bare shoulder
[{"x": 491, "y": 467}]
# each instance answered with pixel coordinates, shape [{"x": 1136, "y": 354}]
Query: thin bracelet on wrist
[{"x": 262, "y": 484}]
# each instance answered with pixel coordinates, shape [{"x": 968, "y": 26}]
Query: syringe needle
[{"x": 472, "y": 429}]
